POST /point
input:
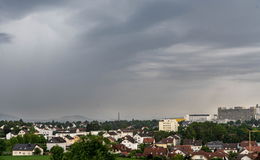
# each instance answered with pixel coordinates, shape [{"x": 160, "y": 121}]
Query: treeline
[
  {"x": 114, "y": 125},
  {"x": 88, "y": 148},
  {"x": 228, "y": 133}
]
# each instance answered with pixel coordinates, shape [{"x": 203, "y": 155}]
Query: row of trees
[
  {"x": 209, "y": 131},
  {"x": 89, "y": 148}
]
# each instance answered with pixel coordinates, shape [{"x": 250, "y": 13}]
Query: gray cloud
[
  {"x": 86, "y": 57},
  {"x": 5, "y": 38}
]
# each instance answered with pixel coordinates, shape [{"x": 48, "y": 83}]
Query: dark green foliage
[
  {"x": 205, "y": 148},
  {"x": 37, "y": 151},
  {"x": 178, "y": 157},
  {"x": 216, "y": 159},
  {"x": 89, "y": 148},
  {"x": 56, "y": 153},
  {"x": 209, "y": 131},
  {"x": 232, "y": 156},
  {"x": 2, "y": 146}
]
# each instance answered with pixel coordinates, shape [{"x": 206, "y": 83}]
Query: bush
[{"x": 56, "y": 153}]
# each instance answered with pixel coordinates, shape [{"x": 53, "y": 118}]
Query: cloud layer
[{"x": 146, "y": 59}]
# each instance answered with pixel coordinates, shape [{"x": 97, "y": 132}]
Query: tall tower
[{"x": 118, "y": 116}]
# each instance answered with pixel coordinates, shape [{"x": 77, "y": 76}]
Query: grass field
[
  {"x": 40, "y": 158},
  {"x": 25, "y": 158}
]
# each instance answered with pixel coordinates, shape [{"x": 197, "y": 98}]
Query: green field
[
  {"x": 24, "y": 157},
  {"x": 39, "y": 158}
]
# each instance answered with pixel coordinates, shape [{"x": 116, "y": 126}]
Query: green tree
[
  {"x": 178, "y": 157},
  {"x": 2, "y": 146},
  {"x": 37, "y": 151},
  {"x": 205, "y": 148},
  {"x": 89, "y": 148},
  {"x": 56, "y": 153},
  {"x": 232, "y": 155}
]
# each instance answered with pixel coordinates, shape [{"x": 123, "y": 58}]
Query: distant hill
[
  {"x": 8, "y": 117},
  {"x": 73, "y": 118}
]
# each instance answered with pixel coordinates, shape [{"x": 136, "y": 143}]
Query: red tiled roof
[
  {"x": 155, "y": 151},
  {"x": 148, "y": 140},
  {"x": 246, "y": 143},
  {"x": 186, "y": 149},
  {"x": 121, "y": 148},
  {"x": 253, "y": 148},
  {"x": 210, "y": 155}
]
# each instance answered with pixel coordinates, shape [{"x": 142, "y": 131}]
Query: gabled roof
[
  {"x": 148, "y": 140},
  {"x": 246, "y": 143},
  {"x": 24, "y": 147},
  {"x": 155, "y": 151},
  {"x": 186, "y": 149},
  {"x": 111, "y": 139},
  {"x": 121, "y": 148},
  {"x": 129, "y": 138},
  {"x": 230, "y": 146},
  {"x": 112, "y": 133},
  {"x": 56, "y": 140},
  {"x": 253, "y": 149},
  {"x": 192, "y": 142},
  {"x": 69, "y": 137},
  {"x": 210, "y": 155}
]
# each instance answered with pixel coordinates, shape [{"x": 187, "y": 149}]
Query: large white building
[
  {"x": 168, "y": 125},
  {"x": 200, "y": 117}
]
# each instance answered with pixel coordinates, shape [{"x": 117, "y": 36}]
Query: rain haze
[{"x": 145, "y": 59}]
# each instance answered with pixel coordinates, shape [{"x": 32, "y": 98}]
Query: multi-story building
[
  {"x": 200, "y": 117},
  {"x": 168, "y": 125},
  {"x": 236, "y": 113},
  {"x": 257, "y": 112}
]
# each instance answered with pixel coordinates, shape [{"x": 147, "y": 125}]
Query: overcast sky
[{"x": 143, "y": 58}]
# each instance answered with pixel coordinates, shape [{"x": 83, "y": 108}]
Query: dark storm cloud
[
  {"x": 5, "y": 38},
  {"x": 15, "y": 9},
  {"x": 111, "y": 56}
]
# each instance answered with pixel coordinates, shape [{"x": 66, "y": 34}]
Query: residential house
[
  {"x": 10, "y": 135},
  {"x": 111, "y": 134},
  {"x": 251, "y": 149},
  {"x": 46, "y": 132},
  {"x": 56, "y": 141},
  {"x": 69, "y": 140},
  {"x": 230, "y": 147},
  {"x": 215, "y": 145},
  {"x": 195, "y": 144},
  {"x": 22, "y": 132},
  {"x": 202, "y": 155},
  {"x": 125, "y": 132},
  {"x": 149, "y": 140},
  {"x": 129, "y": 142},
  {"x": 140, "y": 137},
  {"x": 120, "y": 149},
  {"x": 244, "y": 144},
  {"x": 25, "y": 149},
  {"x": 251, "y": 156},
  {"x": 169, "y": 141},
  {"x": 184, "y": 150},
  {"x": 155, "y": 151}
]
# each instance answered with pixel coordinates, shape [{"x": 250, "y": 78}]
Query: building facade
[
  {"x": 200, "y": 117},
  {"x": 168, "y": 125},
  {"x": 236, "y": 113},
  {"x": 25, "y": 149}
]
